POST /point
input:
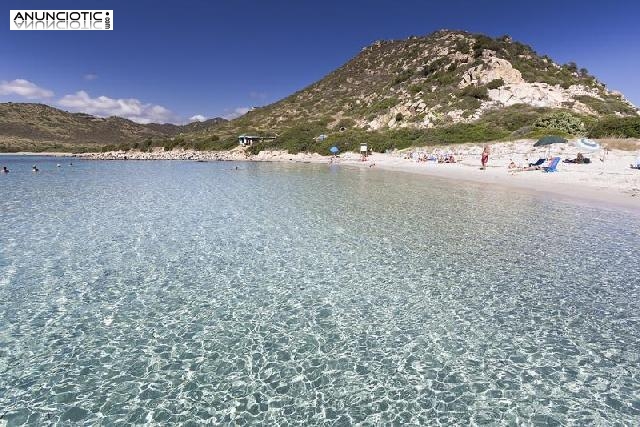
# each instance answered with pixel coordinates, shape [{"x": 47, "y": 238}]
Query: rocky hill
[
  {"x": 37, "y": 127},
  {"x": 449, "y": 86},
  {"x": 446, "y": 77}
]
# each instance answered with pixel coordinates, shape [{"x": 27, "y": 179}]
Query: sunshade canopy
[{"x": 550, "y": 139}]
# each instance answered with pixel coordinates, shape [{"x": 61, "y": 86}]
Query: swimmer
[
  {"x": 35, "y": 169},
  {"x": 58, "y": 165},
  {"x": 5, "y": 170}
]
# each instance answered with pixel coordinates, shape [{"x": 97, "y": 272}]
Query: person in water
[
  {"x": 5, "y": 170},
  {"x": 35, "y": 169}
]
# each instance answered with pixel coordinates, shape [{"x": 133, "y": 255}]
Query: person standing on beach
[{"x": 485, "y": 157}]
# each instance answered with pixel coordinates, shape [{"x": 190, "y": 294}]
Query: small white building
[{"x": 249, "y": 140}]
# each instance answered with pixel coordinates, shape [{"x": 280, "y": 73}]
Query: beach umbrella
[
  {"x": 334, "y": 149},
  {"x": 585, "y": 144},
  {"x": 548, "y": 141}
]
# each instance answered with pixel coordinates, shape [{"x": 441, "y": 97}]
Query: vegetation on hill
[
  {"x": 38, "y": 127},
  {"x": 615, "y": 127}
]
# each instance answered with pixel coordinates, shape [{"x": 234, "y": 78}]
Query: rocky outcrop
[
  {"x": 534, "y": 94},
  {"x": 542, "y": 95},
  {"x": 491, "y": 69}
]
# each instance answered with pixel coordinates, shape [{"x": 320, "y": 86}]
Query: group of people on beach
[{"x": 437, "y": 157}]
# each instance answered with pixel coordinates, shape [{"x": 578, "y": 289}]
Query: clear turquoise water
[{"x": 169, "y": 292}]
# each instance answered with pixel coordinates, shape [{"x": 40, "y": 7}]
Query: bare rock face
[
  {"x": 534, "y": 94},
  {"x": 542, "y": 95},
  {"x": 578, "y": 90},
  {"x": 456, "y": 115},
  {"x": 491, "y": 69}
]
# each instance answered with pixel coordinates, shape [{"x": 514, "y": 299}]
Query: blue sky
[{"x": 173, "y": 61}]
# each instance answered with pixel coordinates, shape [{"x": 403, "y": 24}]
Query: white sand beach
[{"x": 607, "y": 179}]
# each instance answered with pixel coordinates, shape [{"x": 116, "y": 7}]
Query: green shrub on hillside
[
  {"x": 571, "y": 67},
  {"x": 445, "y": 79},
  {"x": 514, "y": 117},
  {"x": 413, "y": 89},
  {"x": 562, "y": 121},
  {"x": 168, "y": 144},
  {"x": 616, "y": 127},
  {"x": 403, "y": 76},
  {"x": 495, "y": 84},
  {"x": 434, "y": 66},
  {"x": 296, "y": 139},
  {"x": 609, "y": 105},
  {"x": 477, "y": 92},
  {"x": 484, "y": 42},
  {"x": 464, "y": 132},
  {"x": 143, "y": 145},
  {"x": 462, "y": 46},
  {"x": 468, "y": 104},
  {"x": 383, "y": 105}
]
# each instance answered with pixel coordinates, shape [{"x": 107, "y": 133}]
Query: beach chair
[{"x": 552, "y": 166}]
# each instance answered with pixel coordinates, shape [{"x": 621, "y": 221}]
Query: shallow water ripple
[{"x": 172, "y": 292}]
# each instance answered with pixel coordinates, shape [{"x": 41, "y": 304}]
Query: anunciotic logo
[{"x": 61, "y": 20}]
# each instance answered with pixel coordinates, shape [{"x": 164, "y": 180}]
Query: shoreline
[
  {"x": 589, "y": 196},
  {"x": 608, "y": 182}
]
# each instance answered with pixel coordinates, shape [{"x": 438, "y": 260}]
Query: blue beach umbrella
[{"x": 334, "y": 149}]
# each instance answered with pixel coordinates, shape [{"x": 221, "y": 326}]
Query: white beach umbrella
[{"x": 585, "y": 144}]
